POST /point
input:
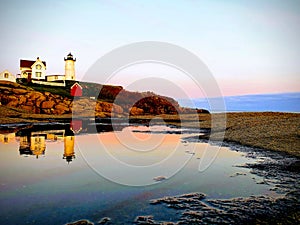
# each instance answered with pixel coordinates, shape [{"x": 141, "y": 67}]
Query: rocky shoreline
[
  {"x": 27, "y": 100},
  {"x": 275, "y": 169}
]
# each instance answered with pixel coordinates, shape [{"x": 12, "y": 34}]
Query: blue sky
[{"x": 250, "y": 46}]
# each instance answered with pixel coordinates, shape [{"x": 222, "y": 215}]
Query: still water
[{"x": 49, "y": 175}]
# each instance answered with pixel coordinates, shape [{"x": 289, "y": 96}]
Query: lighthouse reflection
[
  {"x": 69, "y": 153},
  {"x": 33, "y": 139},
  {"x": 33, "y": 142}
]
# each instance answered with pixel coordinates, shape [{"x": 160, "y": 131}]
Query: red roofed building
[
  {"x": 76, "y": 90},
  {"x": 28, "y": 63},
  {"x": 33, "y": 69}
]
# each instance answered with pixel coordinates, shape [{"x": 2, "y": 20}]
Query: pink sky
[{"x": 249, "y": 46}]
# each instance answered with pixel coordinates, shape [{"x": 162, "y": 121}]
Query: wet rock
[
  {"x": 144, "y": 220},
  {"x": 198, "y": 210},
  {"x": 182, "y": 201},
  {"x": 238, "y": 174},
  {"x": 105, "y": 220},
  {"x": 273, "y": 169},
  {"x": 81, "y": 222},
  {"x": 262, "y": 182},
  {"x": 293, "y": 166},
  {"x": 150, "y": 220},
  {"x": 167, "y": 223},
  {"x": 159, "y": 178}
]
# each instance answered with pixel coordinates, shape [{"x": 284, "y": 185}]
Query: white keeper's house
[{"x": 33, "y": 70}]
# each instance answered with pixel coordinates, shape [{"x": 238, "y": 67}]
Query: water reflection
[
  {"x": 69, "y": 153},
  {"x": 34, "y": 142},
  {"x": 33, "y": 139},
  {"x": 56, "y": 193},
  {"x": 5, "y": 138}
]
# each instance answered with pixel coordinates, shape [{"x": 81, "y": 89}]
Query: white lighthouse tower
[{"x": 70, "y": 67}]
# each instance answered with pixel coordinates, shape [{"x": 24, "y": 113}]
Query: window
[
  {"x": 38, "y": 74},
  {"x": 38, "y": 66},
  {"x": 56, "y": 77},
  {"x": 5, "y": 75},
  {"x": 38, "y": 140}
]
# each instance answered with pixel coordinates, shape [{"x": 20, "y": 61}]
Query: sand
[{"x": 267, "y": 130}]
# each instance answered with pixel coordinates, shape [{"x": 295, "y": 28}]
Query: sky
[{"x": 250, "y": 47}]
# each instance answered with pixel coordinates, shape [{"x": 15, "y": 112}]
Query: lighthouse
[{"x": 70, "y": 67}]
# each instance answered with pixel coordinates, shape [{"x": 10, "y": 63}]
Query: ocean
[{"x": 283, "y": 102}]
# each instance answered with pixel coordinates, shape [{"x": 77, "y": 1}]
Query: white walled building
[
  {"x": 7, "y": 76},
  {"x": 33, "y": 69},
  {"x": 38, "y": 70},
  {"x": 55, "y": 77}
]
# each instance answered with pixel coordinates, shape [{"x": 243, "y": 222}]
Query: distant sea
[{"x": 284, "y": 102}]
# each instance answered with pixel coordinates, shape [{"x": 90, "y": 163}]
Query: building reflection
[
  {"x": 38, "y": 145},
  {"x": 5, "y": 138},
  {"x": 25, "y": 145},
  {"x": 34, "y": 142},
  {"x": 33, "y": 139}
]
